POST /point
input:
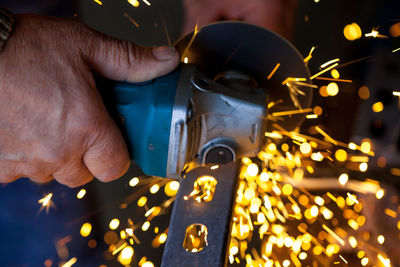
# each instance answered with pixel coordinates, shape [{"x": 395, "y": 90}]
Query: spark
[
  {"x": 274, "y": 135},
  {"x": 203, "y": 189},
  {"x": 184, "y": 54},
  {"x": 171, "y": 188},
  {"x": 391, "y": 213},
  {"x": 380, "y": 193},
  {"x": 147, "y": 2},
  {"x": 81, "y": 193},
  {"x": 359, "y": 159},
  {"x": 114, "y": 223},
  {"x": 375, "y": 34},
  {"x": 343, "y": 259},
  {"x": 397, "y": 49},
  {"x": 324, "y": 134},
  {"x": 377, "y": 107},
  {"x": 326, "y": 64},
  {"x": 98, "y": 2},
  {"x": 86, "y": 229},
  {"x": 311, "y": 116},
  {"x": 273, "y": 71},
  {"x": 307, "y": 59},
  {"x": 324, "y": 70},
  {"x": 385, "y": 261},
  {"x": 134, "y": 3},
  {"x": 118, "y": 249},
  {"x": 293, "y": 79},
  {"x": 343, "y": 179},
  {"x": 395, "y": 171},
  {"x": 69, "y": 263},
  {"x": 352, "y": 197},
  {"x": 352, "y": 31},
  {"x": 46, "y": 202},
  {"x": 134, "y": 181},
  {"x": 334, "y": 80},
  {"x": 291, "y": 112},
  {"x": 333, "y": 234},
  {"x": 154, "y": 188},
  {"x": 125, "y": 257},
  {"x": 134, "y": 22}
]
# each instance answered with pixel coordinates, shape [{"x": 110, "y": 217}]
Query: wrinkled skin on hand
[
  {"x": 53, "y": 123},
  {"x": 275, "y": 15}
]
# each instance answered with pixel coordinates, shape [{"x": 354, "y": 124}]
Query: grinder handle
[{"x": 143, "y": 112}]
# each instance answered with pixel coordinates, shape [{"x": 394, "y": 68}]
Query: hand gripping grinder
[{"x": 213, "y": 108}]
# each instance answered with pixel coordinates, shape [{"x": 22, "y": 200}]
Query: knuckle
[
  {"x": 73, "y": 181},
  {"x": 126, "y": 54},
  {"x": 6, "y": 178},
  {"x": 41, "y": 179},
  {"x": 112, "y": 173}
]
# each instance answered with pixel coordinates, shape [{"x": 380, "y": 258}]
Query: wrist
[{"x": 6, "y": 26}]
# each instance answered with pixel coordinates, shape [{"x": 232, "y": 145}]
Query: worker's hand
[
  {"x": 53, "y": 123},
  {"x": 276, "y": 15}
]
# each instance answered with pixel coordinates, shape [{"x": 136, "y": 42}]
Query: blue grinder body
[{"x": 144, "y": 112}]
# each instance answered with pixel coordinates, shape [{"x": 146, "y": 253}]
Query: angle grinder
[{"x": 213, "y": 108}]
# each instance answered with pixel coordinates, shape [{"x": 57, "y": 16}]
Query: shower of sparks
[
  {"x": 134, "y": 22},
  {"x": 273, "y": 204},
  {"x": 46, "y": 202},
  {"x": 375, "y": 34},
  {"x": 273, "y": 71},
  {"x": 98, "y": 2},
  {"x": 272, "y": 195}
]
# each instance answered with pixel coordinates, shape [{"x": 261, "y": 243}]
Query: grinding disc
[{"x": 255, "y": 51}]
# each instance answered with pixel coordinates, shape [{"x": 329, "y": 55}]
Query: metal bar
[{"x": 215, "y": 215}]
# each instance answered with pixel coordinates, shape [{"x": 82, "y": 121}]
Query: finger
[
  {"x": 5, "y": 178},
  {"x": 125, "y": 61},
  {"x": 107, "y": 158},
  {"x": 8, "y": 172},
  {"x": 73, "y": 175},
  {"x": 41, "y": 180}
]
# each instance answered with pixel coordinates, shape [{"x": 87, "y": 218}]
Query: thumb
[{"x": 124, "y": 61}]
